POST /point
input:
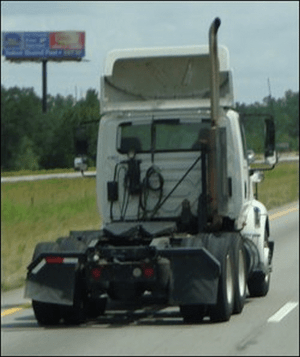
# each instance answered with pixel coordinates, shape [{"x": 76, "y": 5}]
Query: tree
[
  {"x": 26, "y": 159},
  {"x": 20, "y": 109}
]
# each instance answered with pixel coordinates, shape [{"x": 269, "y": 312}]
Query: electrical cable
[
  {"x": 117, "y": 175},
  {"x": 147, "y": 186},
  {"x": 125, "y": 194}
]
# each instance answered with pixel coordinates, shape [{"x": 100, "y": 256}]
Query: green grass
[
  {"x": 37, "y": 211},
  {"x": 280, "y": 185}
]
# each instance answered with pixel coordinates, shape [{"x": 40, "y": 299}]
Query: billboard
[{"x": 63, "y": 45}]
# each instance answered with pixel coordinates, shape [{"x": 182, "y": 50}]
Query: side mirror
[
  {"x": 270, "y": 153},
  {"x": 81, "y": 142}
]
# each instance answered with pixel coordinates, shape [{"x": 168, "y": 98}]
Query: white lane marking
[{"x": 281, "y": 313}]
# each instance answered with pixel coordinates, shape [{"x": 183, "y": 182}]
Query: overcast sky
[{"x": 262, "y": 38}]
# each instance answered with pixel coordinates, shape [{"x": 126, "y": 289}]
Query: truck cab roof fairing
[{"x": 163, "y": 75}]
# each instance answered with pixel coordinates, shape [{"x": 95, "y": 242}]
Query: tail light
[
  {"x": 54, "y": 260},
  {"x": 148, "y": 271},
  {"x": 96, "y": 273}
]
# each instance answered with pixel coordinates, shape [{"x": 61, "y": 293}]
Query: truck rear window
[{"x": 161, "y": 136}]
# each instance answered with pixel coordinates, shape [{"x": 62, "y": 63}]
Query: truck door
[{"x": 245, "y": 172}]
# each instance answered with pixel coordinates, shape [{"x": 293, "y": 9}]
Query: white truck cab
[{"x": 160, "y": 98}]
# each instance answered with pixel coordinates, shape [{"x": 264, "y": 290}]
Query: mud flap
[
  {"x": 52, "y": 283},
  {"x": 195, "y": 276}
]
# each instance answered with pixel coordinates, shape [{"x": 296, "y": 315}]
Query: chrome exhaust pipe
[
  {"x": 213, "y": 186},
  {"x": 214, "y": 72}
]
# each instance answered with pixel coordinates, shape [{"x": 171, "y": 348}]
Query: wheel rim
[
  {"x": 229, "y": 281},
  {"x": 267, "y": 277},
  {"x": 267, "y": 249},
  {"x": 241, "y": 273}
]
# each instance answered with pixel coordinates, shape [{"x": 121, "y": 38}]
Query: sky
[{"x": 262, "y": 38}]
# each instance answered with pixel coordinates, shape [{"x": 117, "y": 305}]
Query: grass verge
[
  {"x": 37, "y": 211},
  {"x": 280, "y": 185}
]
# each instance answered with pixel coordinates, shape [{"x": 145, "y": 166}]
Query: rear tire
[
  {"x": 225, "y": 302},
  {"x": 240, "y": 274},
  {"x": 193, "y": 313},
  {"x": 259, "y": 282},
  {"x": 73, "y": 315},
  {"x": 46, "y": 314},
  {"x": 76, "y": 314},
  {"x": 95, "y": 307}
]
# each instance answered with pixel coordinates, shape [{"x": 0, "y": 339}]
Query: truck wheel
[
  {"x": 76, "y": 314},
  {"x": 259, "y": 282},
  {"x": 193, "y": 313},
  {"x": 46, "y": 313},
  {"x": 95, "y": 307},
  {"x": 73, "y": 315},
  {"x": 240, "y": 275},
  {"x": 224, "y": 307}
]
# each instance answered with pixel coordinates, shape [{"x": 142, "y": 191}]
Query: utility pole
[{"x": 44, "y": 69}]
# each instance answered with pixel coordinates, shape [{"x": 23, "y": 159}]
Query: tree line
[{"x": 33, "y": 140}]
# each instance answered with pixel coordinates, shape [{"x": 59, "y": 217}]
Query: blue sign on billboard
[{"x": 43, "y": 45}]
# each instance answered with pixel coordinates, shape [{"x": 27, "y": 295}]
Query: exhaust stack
[
  {"x": 216, "y": 165},
  {"x": 214, "y": 74}
]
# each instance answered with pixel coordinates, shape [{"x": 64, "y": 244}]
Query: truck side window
[
  {"x": 243, "y": 135},
  {"x": 138, "y": 136}
]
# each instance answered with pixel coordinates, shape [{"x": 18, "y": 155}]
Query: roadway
[
  {"x": 267, "y": 326},
  {"x": 69, "y": 175}
]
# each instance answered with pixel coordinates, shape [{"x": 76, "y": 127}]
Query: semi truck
[{"x": 179, "y": 218}]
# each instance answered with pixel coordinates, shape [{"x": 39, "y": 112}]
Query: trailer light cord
[
  {"x": 148, "y": 186},
  {"x": 124, "y": 205},
  {"x": 125, "y": 193}
]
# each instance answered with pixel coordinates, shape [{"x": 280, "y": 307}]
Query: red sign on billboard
[{"x": 67, "y": 40}]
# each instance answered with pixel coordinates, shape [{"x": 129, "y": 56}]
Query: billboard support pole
[{"x": 44, "y": 86}]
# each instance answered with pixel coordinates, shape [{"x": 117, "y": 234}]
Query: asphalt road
[
  {"x": 47, "y": 176},
  {"x": 267, "y": 326}
]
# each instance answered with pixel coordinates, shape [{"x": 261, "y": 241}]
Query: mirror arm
[{"x": 251, "y": 171}]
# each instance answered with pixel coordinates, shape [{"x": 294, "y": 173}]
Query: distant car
[
  {"x": 80, "y": 164},
  {"x": 251, "y": 156}
]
